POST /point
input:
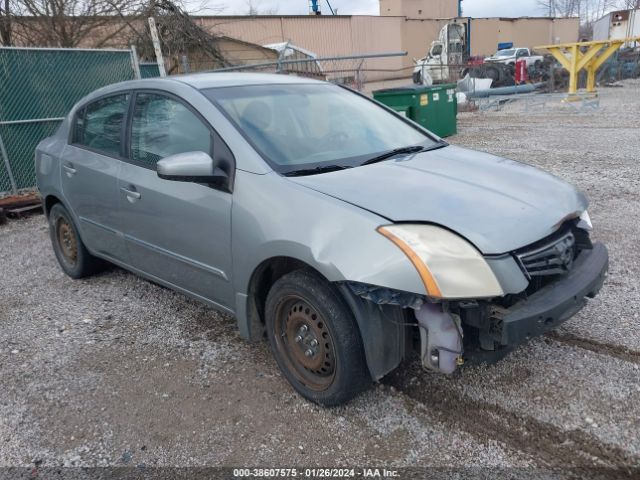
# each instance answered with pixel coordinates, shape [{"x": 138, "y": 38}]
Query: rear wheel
[
  {"x": 72, "y": 255},
  {"x": 315, "y": 339}
]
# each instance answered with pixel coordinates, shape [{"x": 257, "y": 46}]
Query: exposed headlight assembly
[{"x": 449, "y": 266}]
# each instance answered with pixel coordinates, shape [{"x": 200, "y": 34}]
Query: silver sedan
[{"x": 345, "y": 233}]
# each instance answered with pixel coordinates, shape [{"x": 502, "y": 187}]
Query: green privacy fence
[
  {"x": 38, "y": 87},
  {"x": 149, "y": 70}
]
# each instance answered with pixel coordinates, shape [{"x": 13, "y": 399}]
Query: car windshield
[
  {"x": 305, "y": 126},
  {"x": 506, "y": 53}
]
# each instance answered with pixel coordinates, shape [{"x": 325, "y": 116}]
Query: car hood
[{"x": 499, "y": 205}]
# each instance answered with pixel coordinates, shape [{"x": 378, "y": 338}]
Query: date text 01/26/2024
[{"x": 314, "y": 473}]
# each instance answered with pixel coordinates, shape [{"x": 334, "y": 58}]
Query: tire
[
  {"x": 494, "y": 73},
  {"x": 73, "y": 257},
  {"x": 302, "y": 307}
]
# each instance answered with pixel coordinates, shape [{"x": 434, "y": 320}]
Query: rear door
[
  {"x": 178, "y": 232},
  {"x": 90, "y": 166}
]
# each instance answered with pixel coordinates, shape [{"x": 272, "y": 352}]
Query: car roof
[
  {"x": 199, "y": 81},
  {"x": 203, "y": 81},
  {"x": 231, "y": 79}
]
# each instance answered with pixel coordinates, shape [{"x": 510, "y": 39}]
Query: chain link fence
[
  {"x": 352, "y": 70},
  {"x": 149, "y": 70},
  {"x": 38, "y": 87}
]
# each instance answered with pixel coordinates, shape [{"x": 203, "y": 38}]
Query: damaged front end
[
  {"x": 440, "y": 332},
  {"x": 561, "y": 272}
]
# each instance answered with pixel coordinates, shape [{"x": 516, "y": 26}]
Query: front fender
[
  {"x": 336, "y": 238},
  {"x": 275, "y": 217}
]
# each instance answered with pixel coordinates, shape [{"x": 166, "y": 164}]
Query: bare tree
[
  {"x": 587, "y": 10},
  {"x": 631, "y": 4},
  {"x": 253, "y": 8},
  {"x": 67, "y": 23},
  {"x": 560, "y": 8},
  {"x": 179, "y": 34},
  {"x": 6, "y": 33}
]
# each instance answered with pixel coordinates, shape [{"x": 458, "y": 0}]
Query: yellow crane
[{"x": 584, "y": 55}]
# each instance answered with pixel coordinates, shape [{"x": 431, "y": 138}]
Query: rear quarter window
[{"x": 98, "y": 126}]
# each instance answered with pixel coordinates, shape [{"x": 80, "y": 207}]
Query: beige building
[
  {"x": 328, "y": 35},
  {"x": 419, "y": 8}
]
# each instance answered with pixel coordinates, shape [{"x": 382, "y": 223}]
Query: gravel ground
[{"x": 117, "y": 371}]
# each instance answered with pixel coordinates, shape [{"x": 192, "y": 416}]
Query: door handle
[
  {"x": 68, "y": 168},
  {"x": 132, "y": 195}
]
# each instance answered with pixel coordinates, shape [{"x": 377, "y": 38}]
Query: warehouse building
[{"x": 403, "y": 25}]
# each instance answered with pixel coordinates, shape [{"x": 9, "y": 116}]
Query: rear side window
[
  {"x": 163, "y": 126},
  {"x": 99, "y": 125}
]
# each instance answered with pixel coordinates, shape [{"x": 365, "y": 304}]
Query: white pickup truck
[{"x": 509, "y": 56}]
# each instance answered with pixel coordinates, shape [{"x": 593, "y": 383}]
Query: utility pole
[{"x": 156, "y": 46}]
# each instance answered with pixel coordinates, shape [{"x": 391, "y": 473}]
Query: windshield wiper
[
  {"x": 314, "y": 170},
  {"x": 401, "y": 150},
  {"x": 393, "y": 153}
]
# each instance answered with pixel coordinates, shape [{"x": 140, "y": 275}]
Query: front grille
[{"x": 551, "y": 258}]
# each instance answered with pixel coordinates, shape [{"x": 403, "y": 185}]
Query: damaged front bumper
[
  {"x": 469, "y": 331},
  {"x": 500, "y": 329},
  {"x": 556, "y": 303},
  {"x": 478, "y": 332}
]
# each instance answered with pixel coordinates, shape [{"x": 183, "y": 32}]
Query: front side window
[
  {"x": 99, "y": 125},
  {"x": 163, "y": 126},
  {"x": 309, "y": 125}
]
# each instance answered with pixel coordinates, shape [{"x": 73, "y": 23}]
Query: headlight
[
  {"x": 449, "y": 266},
  {"x": 585, "y": 221}
]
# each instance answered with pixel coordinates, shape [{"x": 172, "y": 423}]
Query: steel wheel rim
[
  {"x": 67, "y": 240},
  {"x": 305, "y": 343}
]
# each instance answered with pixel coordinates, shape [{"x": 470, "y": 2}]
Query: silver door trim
[
  {"x": 176, "y": 256},
  {"x": 99, "y": 225}
]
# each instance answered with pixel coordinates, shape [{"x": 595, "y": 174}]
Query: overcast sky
[{"x": 472, "y": 8}]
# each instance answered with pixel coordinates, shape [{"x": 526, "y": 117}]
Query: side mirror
[{"x": 197, "y": 167}]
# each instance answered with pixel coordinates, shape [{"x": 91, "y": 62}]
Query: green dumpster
[{"x": 434, "y": 107}]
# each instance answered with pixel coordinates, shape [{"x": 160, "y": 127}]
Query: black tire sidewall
[
  {"x": 351, "y": 375},
  {"x": 85, "y": 264}
]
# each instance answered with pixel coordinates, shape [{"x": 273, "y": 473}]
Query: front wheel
[{"x": 315, "y": 339}]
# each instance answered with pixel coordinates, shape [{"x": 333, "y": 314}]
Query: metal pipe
[
  {"x": 31, "y": 120},
  {"x": 135, "y": 62},
  {"x": 333, "y": 12},
  {"x": 156, "y": 46},
  {"x": 526, "y": 88},
  {"x": 185, "y": 64},
  {"x": 5, "y": 157},
  {"x": 56, "y": 49},
  {"x": 310, "y": 60}
]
